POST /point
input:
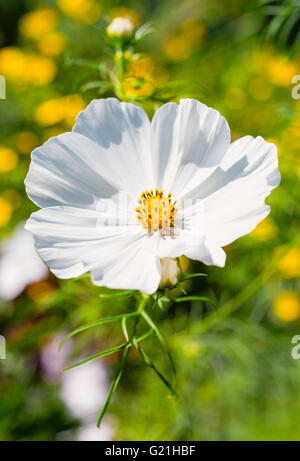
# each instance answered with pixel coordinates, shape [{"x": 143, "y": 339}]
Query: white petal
[
  {"x": 71, "y": 170},
  {"x": 247, "y": 156},
  {"x": 71, "y": 239},
  {"x": 123, "y": 130},
  {"x": 193, "y": 244},
  {"x": 187, "y": 141},
  {"x": 134, "y": 268},
  {"x": 237, "y": 207},
  {"x": 108, "y": 151}
]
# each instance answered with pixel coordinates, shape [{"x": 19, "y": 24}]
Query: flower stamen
[{"x": 155, "y": 211}]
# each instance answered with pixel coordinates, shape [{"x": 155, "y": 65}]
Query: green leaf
[
  {"x": 105, "y": 86},
  {"x": 114, "y": 385},
  {"x": 143, "y": 31},
  {"x": 120, "y": 370},
  {"x": 163, "y": 302},
  {"x": 162, "y": 342},
  {"x": 97, "y": 356},
  {"x": 149, "y": 362},
  {"x": 180, "y": 288},
  {"x": 144, "y": 336},
  {"x": 194, "y": 298},
  {"x": 126, "y": 293},
  {"x": 186, "y": 276},
  {"x": 124, "y": 328},
  {"x": 69, "y": 62},
  {"x": 115, "y": 318}
]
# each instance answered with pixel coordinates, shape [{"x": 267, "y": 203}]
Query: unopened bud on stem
[
  {"x": 122, "y": 28},
  {"x": 170, "y": 273}
]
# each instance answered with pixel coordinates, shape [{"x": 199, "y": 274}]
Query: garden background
[{"x": 236, "y": 377}]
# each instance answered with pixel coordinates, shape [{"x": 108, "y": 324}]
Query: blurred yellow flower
[
  {"x": 277, "y": 68},
  {"x": 260, "y": 58},
  {"x": 73, "y": 105},
  {"x": 177, "y": 48},
  {"x": 260, "y": 89},
  {"x": 265, "y": 230},
  {"x": 40, "y": 70},
  {"x": 52, "y": 44},
  {"x": 286, "y": 306},
  {"x": 86, "y": 11},
  {"x": 38, "y": 23},
  {"x": 12, "y": 63},
  {"x": 235, "y": 98},
  {"x": 281, "y": 70},
  {"x": 139, "y": 79},
  {"x": 25, "y": 141},
  {"x": 124, "y": 12},
  {"x": 143, "y": 67},
  {"x": 135, "y": 86},
  {"x": 60, "y": 109},
  {"x": 8, "y": 159},
  {"x": 26, "y": 67},
  {"x": 290, "y": 138},
  {"x": 289, "y": 265},
  {"x": 50, "y": 112},
  {"x": 5, "y": 211}
]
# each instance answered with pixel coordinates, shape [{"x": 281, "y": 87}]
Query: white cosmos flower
[
  {"x": 20, "y": 264},
  {"x": 80, "y": 179},
  {"x": 84, "y": 390}
]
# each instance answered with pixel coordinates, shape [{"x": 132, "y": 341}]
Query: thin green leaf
[
  {"x": 124, "y": 328},
  {"x": 115, "y": 318},
  {"x": 179, "y": 287},
  {"x": 95, "y": 85},
  {"x": 97, "y": 356},
  {"x": 119, "y": 294},
  {"x": 162, "y": 342},
  {"x": 163, "y": 301},
  {"x": 149, "y": 362},
  {"x": 194, "y": 298},
  {"x": 69, "y": 62},
  {"x": 114, "y": 385},
  {"x": 186, "y": 276},
  {"x": 143, "y": 31},
  {"x": 109, "y": 351},
  {"x": 120, "y": 370},
  {"x": 144, "y": 336}
]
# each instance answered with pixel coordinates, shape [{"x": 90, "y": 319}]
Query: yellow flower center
[{"x": 155, "y": 211}]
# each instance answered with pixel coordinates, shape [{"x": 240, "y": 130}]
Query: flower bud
[
  {"x": 170, "y": 273},
  {"x": 122, "y": 28}
]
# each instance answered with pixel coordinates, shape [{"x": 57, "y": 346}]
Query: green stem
[
  {"x": 143, "y": 354},
  {"x": 162, "y": 343},
  {"x": 120, "y": 370},
  {"x": 120, "y": 73}
]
